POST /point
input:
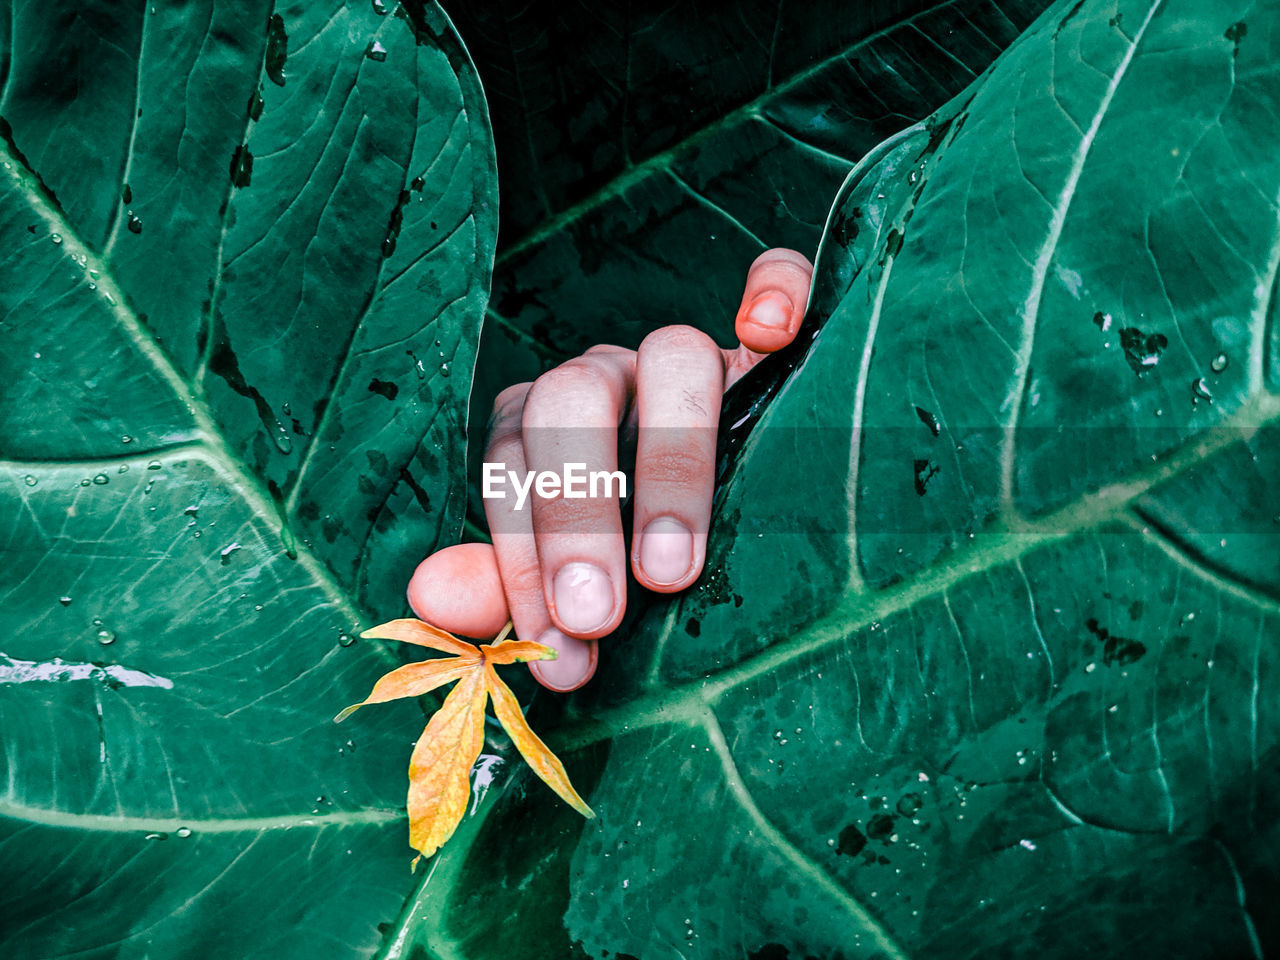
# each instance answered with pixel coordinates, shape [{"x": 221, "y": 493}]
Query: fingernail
[
  {"x": 572, "y": 668},
  {"x": 666, "y": 550},
  {"x": 584, "y": 596},
  {"x": 771, "y": 309}
]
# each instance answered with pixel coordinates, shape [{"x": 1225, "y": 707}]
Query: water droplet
[
  {"x": 65, "y": 601},
  {"x": 154, "y": 465},
  {"x": 106, "y": 637},
  {"x": 85, "y": 482},
  {"x": 126, "y": 439},
  {"x": 183, "y": 832},
  {"x": 227, "y": 552},
  {"x": 135, "y": 225},
  {"x": 29, "y": 480},
  {"x": 444, "y": 370},
  {"x": 345, "y": 639},
  {"x": 376, "y": 52},
  {"x": 1142, "y": 350},
  {"x": 1200, "y": 390},
  {"x": 147, "y": 489},
  {"x": 156, "y": 836},
  {"x": 196, "y": 534},
  {"x": 101, "y": 478},
  {"x": 55, "y": 237},
  {"x": 124, "y": 468},
  {"x": 1102, "y": 320},
  {"x": 1219, "y": 363},
  {"x": 241, "y": 166},
  {"x": 929, "y": 420},
  {"x": 379, "y": 8},
  {"x": 277, "y": 49},
  {"x": 193, "y": 512},
  {"x": 284, "y": 443}
]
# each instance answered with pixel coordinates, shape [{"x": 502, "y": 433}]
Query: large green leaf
[
  {"x": 1003, "y": 680},
  {"x": 233, "y": 419},
  {"x": 649, "y": 152}
]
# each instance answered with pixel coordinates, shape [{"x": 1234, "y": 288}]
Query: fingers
[
  {"x": 774, "y": 300},
  {"x": 458, "y": 589},
  {"x": 571, "y": 416},
  {"x": 679, "y": 382},
  {"x": 516, "y": 557}
]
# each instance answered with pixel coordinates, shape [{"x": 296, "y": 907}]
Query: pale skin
[{"x": 558, "y": 568}]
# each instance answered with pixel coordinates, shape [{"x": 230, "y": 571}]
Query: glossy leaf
[
  {"x": 1003, "y": 681},
  {"x": 650, "y": 151},
  {"x": 232, "y": 418}
]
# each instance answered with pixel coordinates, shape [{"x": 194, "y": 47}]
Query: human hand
[{"x": 557, "y": 568}]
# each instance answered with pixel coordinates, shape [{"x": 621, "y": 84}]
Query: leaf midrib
[
  {"x": 214, "y": 447},
  {"x": 1013, "y": 539}
]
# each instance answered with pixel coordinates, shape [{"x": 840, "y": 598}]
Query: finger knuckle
[
  {"x": 679, "y": 338},
  {"x": 573, "y": 378},
  {"x": 673, "y": 466}
]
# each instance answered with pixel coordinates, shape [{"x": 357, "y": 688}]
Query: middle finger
[{"x": 571, "y": 416}]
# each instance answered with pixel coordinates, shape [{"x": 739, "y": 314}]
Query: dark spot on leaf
[
  {"x": 851, "y": 841},
  {"x": 844, "y": 226},
  {"x": 277, "y": 49},
  {"x": 331, "y": 527},
  {"x": 1067, "y": 19},
  {"x": 929, "y": 420},
  {"x": 424, "y": 19},
  {"x": 134, "y": 223},
  {"x": 126, "y": 194},
  {"x": 397, "y": 221},
  {"x": 910, "y": 803},
  {"x": 1102, "y": 320},
  {"x": 419, "y": 494},
  {"x": 770, "y": 951},
  {"x": 693, "y": 628},
  {"x": 892, "y": 244},
  {"x": 417, "y": 184},
  {"x": 383, "y": 388},
  {"x": 1235, "y": 33},
  {"x": 1142, "y": 350},
  {"x": 1116, "y": 20},
  {"x": 255, "y": 105},
  {"x": 1115, "y": 649},
  {"x": 297, "y": 426},
  {"x": 1135, "y": 610},
  {"x": 378, "y": 462},
  {"x": 925, "y": 471},
  {"x": 880, "y": 827},
  {"x": 241, "y": 166}
]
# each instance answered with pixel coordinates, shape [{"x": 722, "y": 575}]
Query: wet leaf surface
[{"x": 201, "y": 493}]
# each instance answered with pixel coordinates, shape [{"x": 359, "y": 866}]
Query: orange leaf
[
  {"x": 423, "y": 634},
  {"x": 517, "y": 651},
  {"x": 544, "y": 763},
  {"x": 413, "y": 680},
  {"x": 440, "y": 769}
]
